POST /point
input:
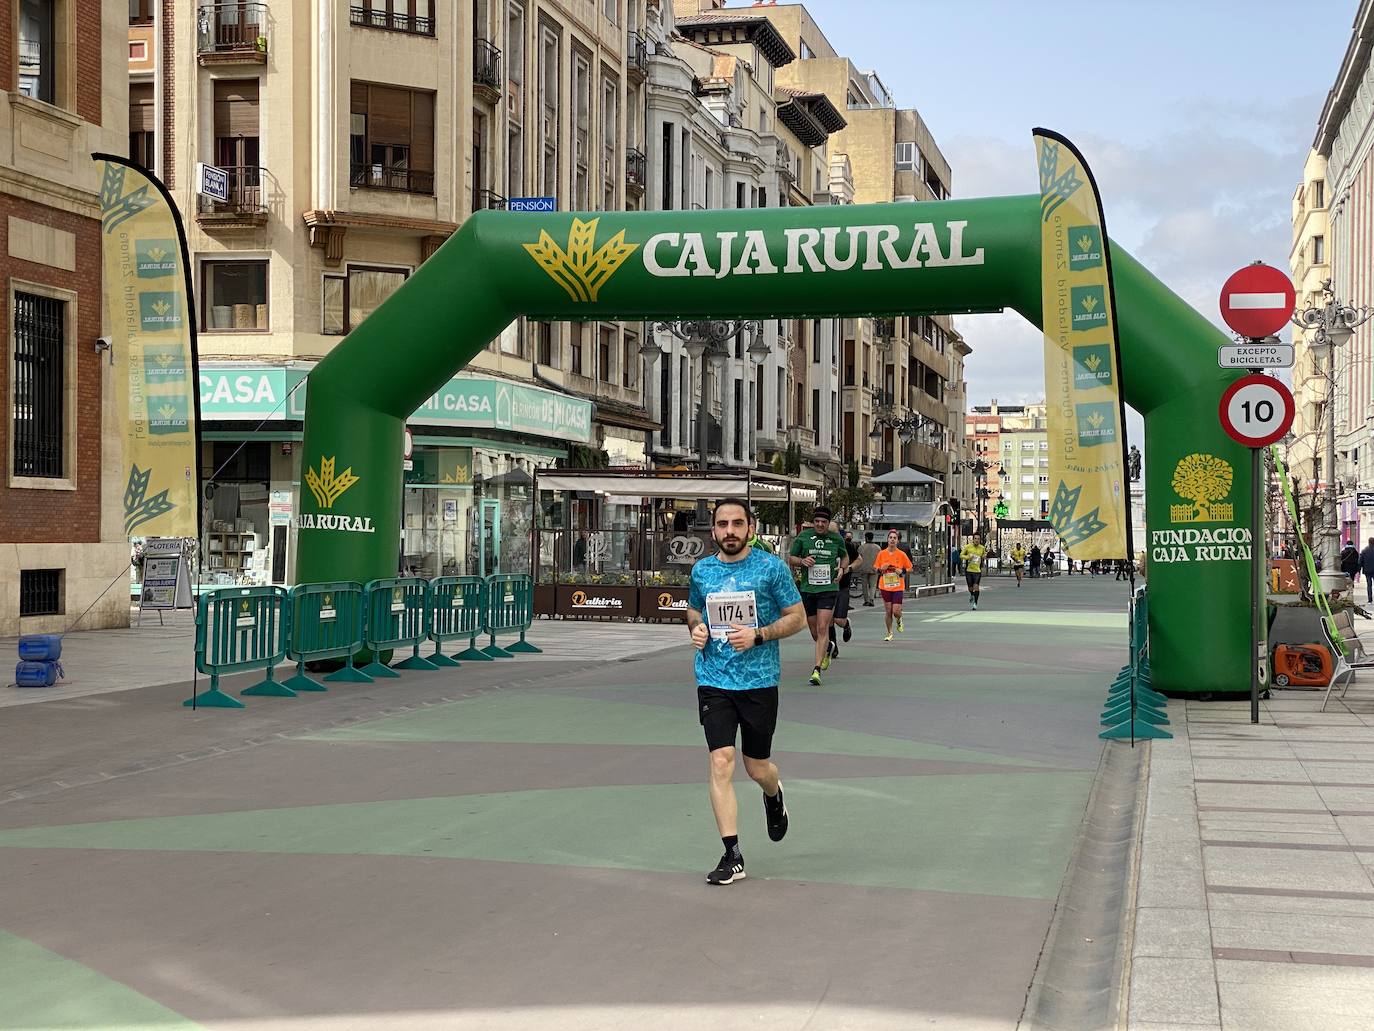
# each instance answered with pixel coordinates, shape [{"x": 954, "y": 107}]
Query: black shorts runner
[
  {"x": 973, "y": 579},
  {"x": 753, "y": 712},
  {"x": 842, "y": 600},
  {"x": 812, "y": 601}
]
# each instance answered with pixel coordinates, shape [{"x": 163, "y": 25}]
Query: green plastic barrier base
[
  {"x": 474, "y": 654},
  {"x": 440, "y": 659},
  {"x": 348, "y": 675},
  {"x": 524, "y": 648},
  {"x": 300, "y": 682},
  {"x": 1144, "y": 694},
  {"x": 213, "y": 699},
  {"x": 495, "y": 651},
  {"x": 268, "y": 688},
  {"x": 1136, "y": 729},
  {"x": 416, "y": 662},
  {"x": 376, "y": 669},
  {"x": 1142, "y": 712}
]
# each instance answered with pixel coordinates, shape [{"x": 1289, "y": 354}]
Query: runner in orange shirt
[{"x": 892, "y": 565}]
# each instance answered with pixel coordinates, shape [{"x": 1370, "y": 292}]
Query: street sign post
[
  {"x": 1268, "y": 353},
  {"x": 540, "y": 204},
  {"x": 212, "y": 182},
  {"x": 1257, "y": 300}
]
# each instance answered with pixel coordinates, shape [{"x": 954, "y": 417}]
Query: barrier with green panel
[
  {"x": 509, "y": 609},
  {"x": 238, "y": 630},
  {"x": 326, "y": 623},
  {"x": 397, "y": 616},
  {"x": 457, "y": 610}
]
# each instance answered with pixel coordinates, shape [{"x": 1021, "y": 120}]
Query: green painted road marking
[
  {"x": 1097, "y": 620},
  {"x": 935, "y": 833},
  {"x": 561, "y": 719},
  {"x": 42, "y": 991}
]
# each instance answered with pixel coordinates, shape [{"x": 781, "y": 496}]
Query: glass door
[{"x": 489, "y": 537}]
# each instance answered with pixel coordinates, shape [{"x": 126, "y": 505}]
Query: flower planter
[
  {"x": 544, "y": 600},
  {"x": 596, "y": 601},
  {"x": 667, "y": 604}
]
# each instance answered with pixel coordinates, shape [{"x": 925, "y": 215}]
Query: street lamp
[
  {"x": 1331, "y": 325},
  {"x": 886, "y": 411},
  {"x": 708, "y": 342}
]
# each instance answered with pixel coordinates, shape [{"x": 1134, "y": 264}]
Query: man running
[
  {"x": 741, "y": 603},
  {"x": 892, "y": 564},
  {"x": 820, "y": 556},
  {"x": 1018, "y": 562},
  {"x": 841, "y": 616},
  {"x": 973, "y": 553}
]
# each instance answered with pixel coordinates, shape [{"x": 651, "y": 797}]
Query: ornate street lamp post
[{"x": 1330, "y": 326}]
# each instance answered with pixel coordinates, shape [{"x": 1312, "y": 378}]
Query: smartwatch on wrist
[{"x": 758, "y": 637}]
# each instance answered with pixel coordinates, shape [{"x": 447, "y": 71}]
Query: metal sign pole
[{"x": 1259, "y": 554}]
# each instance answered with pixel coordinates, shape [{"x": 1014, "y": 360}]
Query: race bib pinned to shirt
[
  {"x": 818, "y": 575},
  {"x": 727, "y": 609},
  {"x": 890, "y": 582}
]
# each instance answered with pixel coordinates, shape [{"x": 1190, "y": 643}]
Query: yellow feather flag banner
[
  {"x": 152, "y": 330},
  {"x": 1087, "y": 425}
]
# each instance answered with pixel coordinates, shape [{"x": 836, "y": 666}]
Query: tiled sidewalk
[{"x": 1255, "y": 904}]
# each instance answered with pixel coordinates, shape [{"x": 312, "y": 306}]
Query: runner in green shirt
[{"x": 820, "y": 556}]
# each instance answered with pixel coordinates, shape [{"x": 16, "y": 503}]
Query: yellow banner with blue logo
[
  {"x": 1089, "y": 508},
  {"x": 151, "y": 325}
]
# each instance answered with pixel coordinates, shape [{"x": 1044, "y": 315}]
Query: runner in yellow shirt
[
  {"x": 1018, "y": 562},
  {"x": 972, "y": 555}
]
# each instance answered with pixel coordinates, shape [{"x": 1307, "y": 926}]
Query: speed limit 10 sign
[{"x": 1256, "y": 410}]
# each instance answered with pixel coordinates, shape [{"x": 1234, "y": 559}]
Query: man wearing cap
[{"x": 820, "y": 557}]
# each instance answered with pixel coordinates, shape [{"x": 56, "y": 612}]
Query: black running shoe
[
  {"x": 848, "y": 633},
  {"x": 727, "y": 871},
  {"x": 775, "y": 809}
]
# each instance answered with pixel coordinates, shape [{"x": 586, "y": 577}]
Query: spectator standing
[
  {"x": 1367, "y": 568},
  {"x": 868, "y": 552},
  {"x": 1035, "y": 561}
]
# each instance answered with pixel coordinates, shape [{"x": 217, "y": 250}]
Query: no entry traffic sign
[
  {"x": 1257, "y": 301},
  {"x": 1256, "y": 410}
]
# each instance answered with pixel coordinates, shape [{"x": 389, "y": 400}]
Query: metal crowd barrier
[
  {"x": 240, "y": 629},
  {"x": 509, "y": 609},
  {"x": 326, "y": 622},
  {"x": 457, "y": 610},
  {"x": 397, "y": 615}
]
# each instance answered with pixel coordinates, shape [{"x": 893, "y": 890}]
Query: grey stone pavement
[{"x": 1255, "y": 899}]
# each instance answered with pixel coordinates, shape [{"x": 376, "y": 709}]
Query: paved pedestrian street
[{"x": 524, "y": 845}]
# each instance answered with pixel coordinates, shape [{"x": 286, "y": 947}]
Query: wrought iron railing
[
  {"x": 232, "y": 28},
  {"x": 636, "y": 168},
  {"x": 247, "y": 195},
  {"x": 486, "y": 64},
  {"x": 393, "y": 21},
  {"x": 637, "y": 54},
  {"x": 388, "y": 177},
  {"x": 488, "y": 200}
]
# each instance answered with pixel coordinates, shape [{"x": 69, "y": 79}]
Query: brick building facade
[{"x": 63, "y": 96}]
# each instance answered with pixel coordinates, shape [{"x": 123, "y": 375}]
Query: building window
[
  {"x": 1319, "y": 193},
  {"x": 611, "y": 8},
  {"x": 605, "y": 350},
  {"x": 579, "y": 334},
  {"x": 550, "y": 102},
  {"x": 142, "y": 135},
  {"x": 236, "y": 133},
  {"x": 415, "y": 16},
  {"x": 582, "y": 129},
  {"x": 39, "y": 391},
  {"x": 610, "y": 120},
  {"x": 38, "y": 50},
  {"x": 515, "y": 101},
  {"x": 906, "y": 156},
  {"x": 350, "y": 298},
  {"x": 138, "y": 51},
  {"x": 391, "y": 138},
  {"x": 629, "y": 362},
  {"x": 140, "y": 12},
  {"x": 40, "y": 592},
  {"x": 1318, "y": 250},
  {"x": 549, "y": 351},
  {"x": 669, "y": 135},
  {"x": 234, "y": 296}
]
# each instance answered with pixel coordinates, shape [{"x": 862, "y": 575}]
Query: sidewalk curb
[{"x": 1083, "y": 973}]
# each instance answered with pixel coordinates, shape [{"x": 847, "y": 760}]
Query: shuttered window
[
  {"x": 236, "y": 123},
  {"x": 392, "y": 138},
  {"x": 142, "y": 134}
]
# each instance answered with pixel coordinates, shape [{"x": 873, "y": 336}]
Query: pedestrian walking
[
  {"x": 1018, "y": 561},
  {"x": 1122, "y": 573},
  {"x": 1035, "y": 561},
  {"x": 892, "y": 565},
  {"x": 972, "y": 555},
  {"x": 868, "y": 551},
  {"x": 955, "y": 565},
  {"x": 820, "y": 555},
  {"x": 841, "y": 615},
  {"x": 1047, "y": 562},
  {"x": 742, "y": 601},
  {"x": 1367, "y": 568},
  {"x": 1350, "y": 562}
]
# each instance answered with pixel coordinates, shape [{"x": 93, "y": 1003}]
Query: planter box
[
  {"x": 668, "y": 604},
  {"x": 544, "y": 599},
  {"x": 596, "y": 601}
]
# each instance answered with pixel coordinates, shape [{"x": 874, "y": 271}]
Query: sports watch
[{"x": 758, "y": 637}]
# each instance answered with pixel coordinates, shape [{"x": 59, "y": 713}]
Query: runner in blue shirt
[{"x": 742, "y": 602}]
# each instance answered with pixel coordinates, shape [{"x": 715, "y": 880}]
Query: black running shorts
[
  {"x": 753, "y": 712},
  {"x": 842, "y": 600},
  {"x": 811, "y": 601},
  {"x": 974, "y": 579}
]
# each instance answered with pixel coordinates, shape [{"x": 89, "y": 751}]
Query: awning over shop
[{"x": 905, "y": 476}]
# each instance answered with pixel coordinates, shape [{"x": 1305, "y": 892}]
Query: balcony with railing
[
  {"x": 636, "y": 172},
  {"x": 488, "y": 200},
  {"x": 246, "y": 204},
  {"x": 637, "y": 56},
  {"x": 782, "y": 161},
  {"x": 390, "y": 177},
  {"x": 486, "y": 70},
  {"x": 391, "y": 21},
  {"x": 232, "y": 33}
]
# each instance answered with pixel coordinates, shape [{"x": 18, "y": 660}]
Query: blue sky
[{"x": 1195, "y": 116}]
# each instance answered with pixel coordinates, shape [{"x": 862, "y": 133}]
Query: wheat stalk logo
[
  {"x": 325, "y": 485},
  {"x": 579, "y": 270},
  {"x": 1055, "y": 188},
  {"x": 1085, "y": 243},
  {"x": 1093, "y": 362},
  {"x": 139, "y": 508}
]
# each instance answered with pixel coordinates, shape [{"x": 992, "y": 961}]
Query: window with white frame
[
  {"x": 233, "y": 296},
  {"x": 906, "y": 156},
  {"x": 550, "y": 102},
  {"x": 515, "y": 101},
  {"x": 582, "y": 129},
  {"x": 610, "y": 111}
]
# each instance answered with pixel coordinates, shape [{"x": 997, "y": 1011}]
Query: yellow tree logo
[
  {"x": 325, "y": 485},
  {"x": 579, "y": 270},
  {"x": 1204, "y": 480}
]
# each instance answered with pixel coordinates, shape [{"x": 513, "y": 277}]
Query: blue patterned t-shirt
[{"x": 718, "y": 664}]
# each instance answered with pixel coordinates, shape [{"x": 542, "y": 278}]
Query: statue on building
[{"x": 1133, "y": 464}]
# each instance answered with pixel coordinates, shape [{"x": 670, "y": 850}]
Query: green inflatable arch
[{"x": 940, "y": 257}]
